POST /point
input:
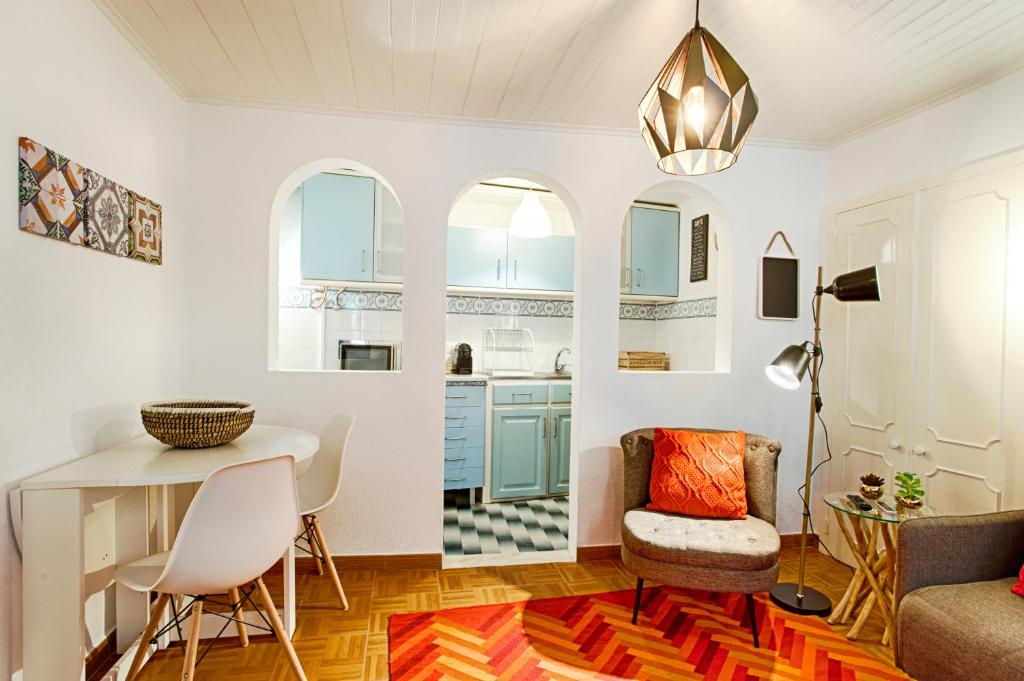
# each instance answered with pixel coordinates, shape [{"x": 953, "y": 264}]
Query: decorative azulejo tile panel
[
  {"x": 108, "y": 212},
  {"x": 68, "y": 202},
  {"x": 340, "y": 299}
]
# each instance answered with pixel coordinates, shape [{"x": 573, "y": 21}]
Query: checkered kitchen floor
[{"x": 505, "y": 527}]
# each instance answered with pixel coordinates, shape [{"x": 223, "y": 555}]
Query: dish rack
[{"x": 508, "y": 352}]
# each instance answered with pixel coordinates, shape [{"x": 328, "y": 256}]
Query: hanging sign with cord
[{"x": 778, "y": 282}]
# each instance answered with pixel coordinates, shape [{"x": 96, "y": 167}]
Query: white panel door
[
  {"x": 969, "y": 380},
  {"x": 867, "y": 349}
]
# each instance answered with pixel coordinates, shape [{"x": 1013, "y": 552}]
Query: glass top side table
[{"x": 875, "y": 576}]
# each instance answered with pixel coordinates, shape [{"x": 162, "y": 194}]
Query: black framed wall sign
[
  {"x": 699, "y": 248},
  {"x": 778, "y": 283}
]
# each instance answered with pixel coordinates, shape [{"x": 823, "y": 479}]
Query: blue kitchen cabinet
[
  {"x": 545, "y": 264},
  {"x": 337, "y": 228},
  {"x": 654, "y": 251},
  {"x": 519, "y": 452},
  {"x": 477, "y": 256},
  {"x": 464, "y": 437},
  {"x": 558, "y": 459}
]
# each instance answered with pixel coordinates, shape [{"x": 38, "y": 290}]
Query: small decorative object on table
[
  {"x": 871, "y": 486},
  {"x": 909, "y": 492},
  {"x": 193, "y": 424}
]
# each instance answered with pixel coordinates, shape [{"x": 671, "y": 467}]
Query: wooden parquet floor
[{"x": 335, "y": 645}]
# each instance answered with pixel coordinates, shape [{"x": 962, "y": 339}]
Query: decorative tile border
[
  {"x": 341, "y": 299},
  {"x": 681, "y": 309},
  {"x": 391, "y": 301},
  {"x": 523, "y": 307}
]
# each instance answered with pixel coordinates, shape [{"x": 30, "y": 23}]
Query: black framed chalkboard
[
  {"x": 699, "y": 248},
  {"x": 779, "y": 283}
]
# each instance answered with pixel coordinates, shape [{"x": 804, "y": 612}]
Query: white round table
[{"x": 53, "y": 505}]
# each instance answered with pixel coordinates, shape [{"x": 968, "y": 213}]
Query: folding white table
[{"x": 53, "y": 505}]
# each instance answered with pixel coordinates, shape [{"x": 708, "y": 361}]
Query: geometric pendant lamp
[{"x": 697, "y": 114}]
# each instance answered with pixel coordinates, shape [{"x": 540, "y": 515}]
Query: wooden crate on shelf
[{"x": 643, "y": 361}]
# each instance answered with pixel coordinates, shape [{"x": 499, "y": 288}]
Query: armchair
[
  {"x": 740, "y": 556},
  {"x": 956, "y": 618}
]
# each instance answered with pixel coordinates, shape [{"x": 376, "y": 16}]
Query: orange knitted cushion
[{"x": 698, "y": 474}]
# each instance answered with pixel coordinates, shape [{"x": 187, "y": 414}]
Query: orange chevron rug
[{"x": 681, "y": 634}]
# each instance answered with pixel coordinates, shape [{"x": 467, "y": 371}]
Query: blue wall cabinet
[
  {"x": 487, "y": 257},
  {"x": 519, "y": 452},
  {"x": 541, "y": 264},
  {"x": 654, "y": 251},
  {"x": 337, "y": 228},
  {"x": 558, "y": 459},
  {"x": 477, "y": 256}
]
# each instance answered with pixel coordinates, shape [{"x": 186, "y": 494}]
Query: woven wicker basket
[{"x": 193, "y": 424}]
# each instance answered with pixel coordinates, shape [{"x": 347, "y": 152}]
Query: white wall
[
  {"x": 982, "y": 123},
  {"x": 85, "y": 336},
  {"x": 391, "y": 496}
]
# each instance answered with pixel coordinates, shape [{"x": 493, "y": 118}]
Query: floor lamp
[{"x": 787, "y": 371}]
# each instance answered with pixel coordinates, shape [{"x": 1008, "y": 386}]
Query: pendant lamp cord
[{"x": 696, "y": 15}]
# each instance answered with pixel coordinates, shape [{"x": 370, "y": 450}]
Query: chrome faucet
[{"x": 560, "y": 365}]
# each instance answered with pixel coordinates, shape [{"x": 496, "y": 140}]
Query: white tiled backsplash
[
  {"x": 689, "y": 342},
  {"x": 550, "y": 334},
  {"x": 308, "y": 336}
]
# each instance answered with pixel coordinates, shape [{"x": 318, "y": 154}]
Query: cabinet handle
[
  {"x": 458, "y": 458},
  {"x": 920, "y": 450},
  {"x": 515, "y": 269},
  {"x": 519, "y": 394},
  {"x": 453, "y": 418},
  {"x": 544, "y": 420},
  {"x": 454, "y": 479},
  {"x": 362, "y": 260},
  {"x": 554, "y": 430},
  {"x": 639, "y": 277},
  {"x": 378, "y": 260},
  {"x": 497, "y": 273},
  {"x": 459, "y": 437},
  {"x": 455, "y": 397}
]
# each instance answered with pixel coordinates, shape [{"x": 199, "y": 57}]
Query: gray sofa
[
  {"x": 956, "y": 618},
  {"x": 740, "y": 556}
]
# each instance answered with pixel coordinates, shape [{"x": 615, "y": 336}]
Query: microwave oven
[{"x": 363, "y": 355}]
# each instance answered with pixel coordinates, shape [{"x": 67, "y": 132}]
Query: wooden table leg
[
  {"x": 869, "y": 574},
  {"x": 53, "y": 585}
]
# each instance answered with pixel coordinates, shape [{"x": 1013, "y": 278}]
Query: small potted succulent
[
  {"x": 909, "y": 492},
  {"x": 871, "y": 486}
]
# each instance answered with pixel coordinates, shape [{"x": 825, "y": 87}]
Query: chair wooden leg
[
  {"x": 331, "y": 570},
  {"x": 282, "y": 635},
  {"x": 752, "y": 613},
  {"x": 188, "y": 670},
  {"x": 639, "y": 595},
  {"x": 147, "y": 634},
  {"x": 317, "y": 558},
  {"x": 239, "y": 615}
]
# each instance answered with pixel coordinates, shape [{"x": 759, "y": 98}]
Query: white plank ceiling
[{"x": 822, "y": 69}]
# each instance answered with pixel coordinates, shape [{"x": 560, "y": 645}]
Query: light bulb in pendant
[{"x": 693, "y": 108}]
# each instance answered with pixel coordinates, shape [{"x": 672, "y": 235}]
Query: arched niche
[
  {"x": 336, "y": 262},
  {"x": 672, "y": 304}
]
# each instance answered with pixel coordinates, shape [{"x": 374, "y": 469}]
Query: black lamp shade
[
  {"x": 860, "y": 285},
  {"x": 789, "y": 367}
]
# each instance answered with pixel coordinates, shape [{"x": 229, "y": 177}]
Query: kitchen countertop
[{"x": 484, "y": 379}]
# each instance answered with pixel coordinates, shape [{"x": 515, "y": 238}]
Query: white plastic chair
[
  {"x": 318, "y": 488},
  {"x": 239, "y": 524}
]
